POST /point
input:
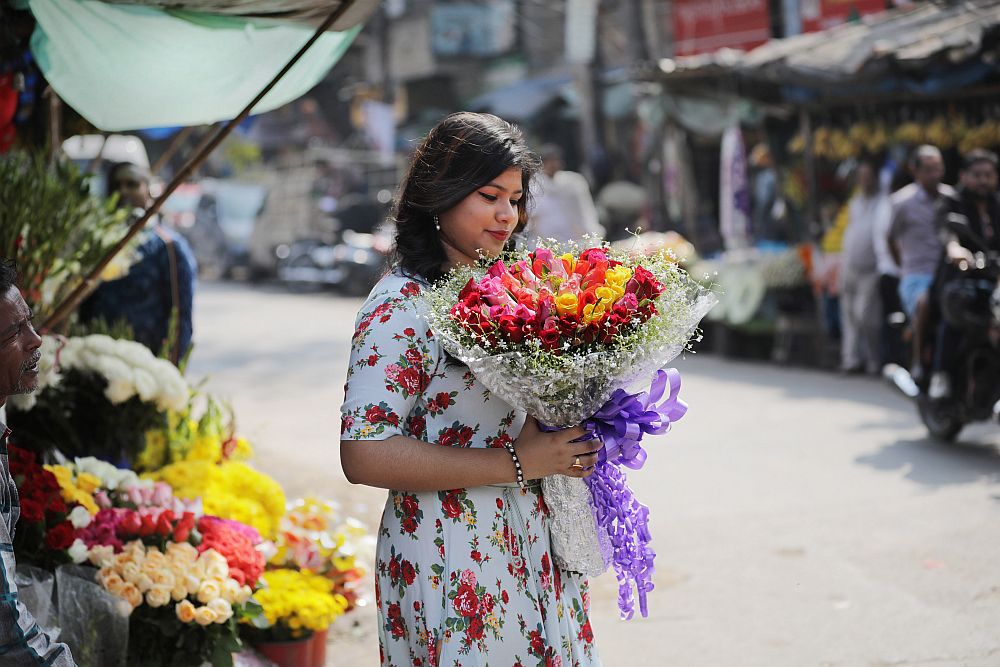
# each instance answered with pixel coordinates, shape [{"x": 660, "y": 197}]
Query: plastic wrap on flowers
[{"x": 94, "y": 622}]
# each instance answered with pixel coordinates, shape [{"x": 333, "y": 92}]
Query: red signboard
[
  {"x": 702, "y": 26},
  {"x": 823, "y": 14}
]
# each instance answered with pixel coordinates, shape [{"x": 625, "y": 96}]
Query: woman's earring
[{"x": 437, "y": 223}]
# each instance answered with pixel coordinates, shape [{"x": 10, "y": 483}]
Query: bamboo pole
[{"x": 205, "y": 148}]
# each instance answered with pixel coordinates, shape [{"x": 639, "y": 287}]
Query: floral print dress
[{"x": 463, "y": 577}]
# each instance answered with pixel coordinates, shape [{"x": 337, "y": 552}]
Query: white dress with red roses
[{"x": 467, "y": 570}]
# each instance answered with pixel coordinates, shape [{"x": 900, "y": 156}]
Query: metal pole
[{"x": 69, "y": 304}]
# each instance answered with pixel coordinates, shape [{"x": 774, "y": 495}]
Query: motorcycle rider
[{"x": 976, "y": 201}]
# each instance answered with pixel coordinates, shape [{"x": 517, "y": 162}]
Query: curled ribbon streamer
[{"x": 621, "y": 424}]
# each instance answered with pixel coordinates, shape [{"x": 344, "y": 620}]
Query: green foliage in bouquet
[
  {"x": 52, "y": 226},
  {"x": 76, "y": 418},
  {"x": 158, "y": 639}
]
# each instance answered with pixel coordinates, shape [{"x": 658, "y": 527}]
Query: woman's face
[{"x": 483, "y": 221}]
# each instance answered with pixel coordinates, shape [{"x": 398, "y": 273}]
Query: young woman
[{"x": 464, "y": 574}]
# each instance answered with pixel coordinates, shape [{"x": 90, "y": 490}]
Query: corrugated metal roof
[
  {"x": 297, "y": 11},
  {"x": 900, "y": 41}
]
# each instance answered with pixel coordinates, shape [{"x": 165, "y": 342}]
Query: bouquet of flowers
[
  {"x": 44, "y": 532},
  {"x": 296, "y": 603},
  {"x": 315, "y": 537},
  {"x": 561, "y": 335},
  {"x": 96, "y": 385}
]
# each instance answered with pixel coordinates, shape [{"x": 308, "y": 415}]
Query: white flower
[
  {"x": 80, "y": 518},
  {"x": 78, "y": 551}
]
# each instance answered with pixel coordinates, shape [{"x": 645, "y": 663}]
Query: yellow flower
[
  {"x": 63, "y": 475},
  {"x": 205, "y": 616},
  {"x": 185, "y": 611},
  {"x": 208, "y": 591},
  {"x": 87, "y": 482},
  {"x": 605, "y": 295},
  {"x": 566, "y": 304},
  {"x": 570, "y": 260},
  {"x": 617, "y": 276},
  {"x": 593, "y": 311}
]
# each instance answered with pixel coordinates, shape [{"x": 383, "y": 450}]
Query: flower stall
[{"x": 178, "y": 537}]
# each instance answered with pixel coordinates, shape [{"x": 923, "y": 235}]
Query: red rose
[
  {"x": 131, "y": 523},
  {"x": 537, "y": 643},
  {"x": 466, "y": 603},
  {"x": 511, "y": 328},
  {"x": 488, "y": 602},
  {"x": 417, "y": 426},
  {"x": 449, "y": 437},
  {"x": 409, "y": 525},
  {"x": 372, "y": 359},
  {"x": 411, "y": 380},
  {"x": 392, "y": 419},
  {"x": 59, "y": 536},
  {"x": 499, "y": 503},
  {"x": 504, "y": 597},
  {"x": 394, "y": 569},
  {"x": 47, "y": 481},
  {"x": 410, "y": 289},
  {"x": 394, "y": 610},
  {"x": 409, "y": 574},
  {"x": 465, "y": 435},
  {"x": 546, "y": 567},
  {"x": 55, "y": 505},
  {"x": 551, "y": 338},
  {"x": 476, "y": 556},
  {"x": 451, "y": 506},
  {"x": 409, "y": 332},
  {"x": 31, "y": 510},
  {"x": 397, "y": 628},
  {"x": 410, "y": 505},
  {"x": 413, "y": 356},
  {"x": 181, "y": 533},
  {"x": 476, "y": 628},
  {"x": 375, "y": 414},
  {"x": 443, "y": 399},
  {"x": 586, "y": 633},
  {"x": 147, "y": 527}
]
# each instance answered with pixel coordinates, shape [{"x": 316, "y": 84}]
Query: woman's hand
[{"x": 543, "y": 454}]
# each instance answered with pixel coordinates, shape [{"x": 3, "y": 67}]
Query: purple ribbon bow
[{"x": 621, "y": 424}]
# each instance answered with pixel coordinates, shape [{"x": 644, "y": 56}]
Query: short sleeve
[{"x": 393, "y": 357}]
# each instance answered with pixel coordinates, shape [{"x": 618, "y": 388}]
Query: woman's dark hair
[{"x": 463, "y": 152}]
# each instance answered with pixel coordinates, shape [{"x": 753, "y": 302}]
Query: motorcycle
[
  {"x": 970, "y": 303},
  {"x": 348, "y": 260}
]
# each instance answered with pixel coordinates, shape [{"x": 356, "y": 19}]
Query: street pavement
[{"x": 800, "y": 518}]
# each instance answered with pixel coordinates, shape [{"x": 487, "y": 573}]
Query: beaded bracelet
[{"x": 517, "y": 464}]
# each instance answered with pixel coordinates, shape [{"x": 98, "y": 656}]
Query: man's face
[
  {"x": 981, "y": 179},
  {"x": 866, "y": 177},
  {"x": 19, "y": 347},
  {"x": 552, "y": 165},
  {"x": 929, "y": 172},
  {"x": 133, "y": 190}
]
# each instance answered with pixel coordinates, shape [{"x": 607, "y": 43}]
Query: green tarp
[{"x": 127, "y": 67}]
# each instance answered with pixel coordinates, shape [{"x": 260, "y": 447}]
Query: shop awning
[{"x": 126, "y": 66}]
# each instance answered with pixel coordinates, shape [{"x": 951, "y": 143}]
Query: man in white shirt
[
  {"x": 869, "y": 214},
  {"x": 563, "y": 208}
]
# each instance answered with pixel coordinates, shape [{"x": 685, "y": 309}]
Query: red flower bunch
[
  {"x": 563, "y": 302},
  {"x": 235, "y": 541},
  {"x": 116, "y": 526},
  {"x": 38, "y": 489}
]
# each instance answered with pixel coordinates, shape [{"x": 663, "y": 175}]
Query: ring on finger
[{"x": 576, "y": 464}]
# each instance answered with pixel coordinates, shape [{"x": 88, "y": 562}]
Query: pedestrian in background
[
  {"x": 869, "y": 211},
  {"x": 155, "y": 297},
  {"x": 563, "y": 208},
  {"x": 916, "y": 243}
]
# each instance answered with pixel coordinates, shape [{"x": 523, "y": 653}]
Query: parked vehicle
[
  {"x": 970, "y": 302},
  {"x": 352, "y": 256},
  {"x": 217, "y": 218}
]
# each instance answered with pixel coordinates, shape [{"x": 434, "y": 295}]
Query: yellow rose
[
  {"x": 116, "y": 586},
  {"x": 164, "y": 579},
  {"x": 185, "y": 611},
  {"x": 63, "y": 475},
  {"x": 131, "y": 593},
  {"x": 570, "y": 260},
  {"x": 143, "y": 582},
  {"x": 618, "y": 276},
  {"x": 205, "y": 616},
  {"x": 87, "y": 482},
  {"x": 230, "y": 590},
  {"x": 130, "y": 572},
  {"x": 566, "y": 304},
  {"x": 605, "y": 295},
  {"x": 223, "y": 610},
  {"x": 179, "y": 592},
  {"x": 208, "y": 591},
  {"x": 158, "y": 596}
]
